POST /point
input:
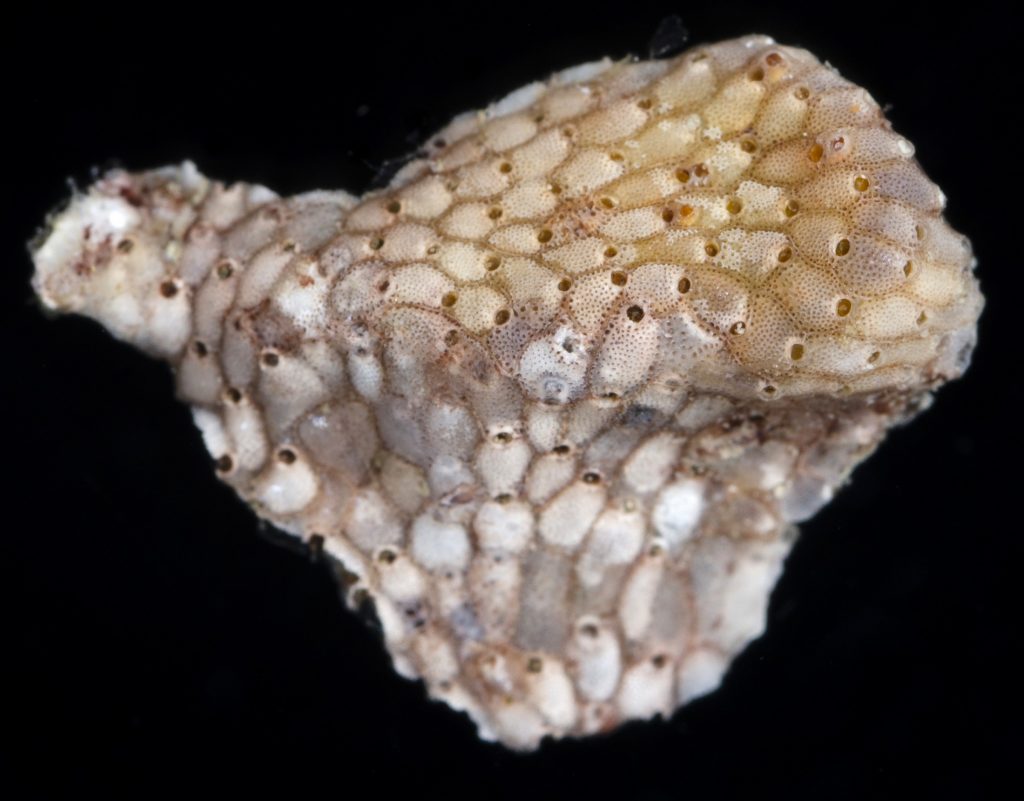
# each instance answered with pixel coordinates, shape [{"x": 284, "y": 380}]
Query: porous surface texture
[{"x": 554, "y": 399}]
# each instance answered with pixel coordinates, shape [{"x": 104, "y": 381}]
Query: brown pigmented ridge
[{"x": 554, "y": 399}]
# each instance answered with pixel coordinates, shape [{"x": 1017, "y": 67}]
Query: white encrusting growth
[
  {"x": 677, "y": 511},
  {"x": 553, "y": 398}
]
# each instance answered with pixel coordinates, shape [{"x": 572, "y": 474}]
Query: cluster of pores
[{"x": 554, "y": 396}]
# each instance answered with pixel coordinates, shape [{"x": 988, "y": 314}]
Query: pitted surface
[{"x": 556, "y": 396}]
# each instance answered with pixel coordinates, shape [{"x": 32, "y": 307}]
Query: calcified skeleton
[{"x": 554, "y": 399}]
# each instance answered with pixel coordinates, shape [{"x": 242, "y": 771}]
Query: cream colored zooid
[{"x": 555, "y": 397}]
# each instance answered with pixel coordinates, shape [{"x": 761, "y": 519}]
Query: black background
[{"x": 154, "y": 641}]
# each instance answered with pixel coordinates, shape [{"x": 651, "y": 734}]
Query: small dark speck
[
  {"x": 316, "y": 547},
  {"x": 637, "y": 415}
]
